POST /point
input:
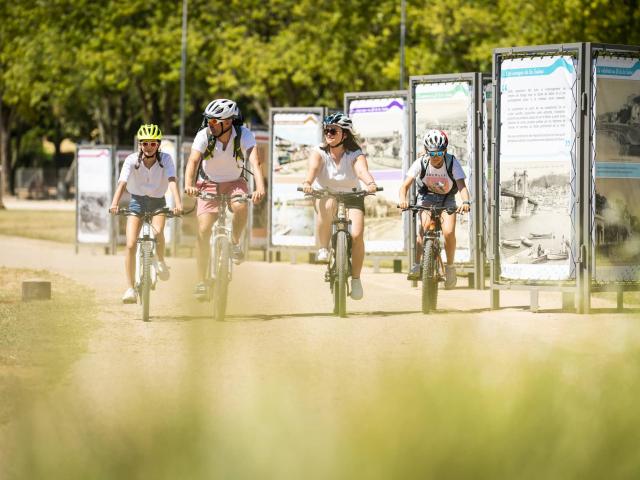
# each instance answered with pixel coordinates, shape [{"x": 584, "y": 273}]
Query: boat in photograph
[
  {"x": 541, "y": 235},
  {"x": 510, "y": 243},
  {"x": 527, "y": 242},
  {"x": 540, "y": 259},
  {"x": 557, "y": 255}
]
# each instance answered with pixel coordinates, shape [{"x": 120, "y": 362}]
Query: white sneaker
[
  {"x": 130, "y": 296},
  {"x": 322, "y": 256},
  {"x": 450, "y": 277},
  {"x": 356, "y": 289},
  {"x": 163, "y": 271}
]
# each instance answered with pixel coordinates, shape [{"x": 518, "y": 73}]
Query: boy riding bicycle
[
  {"x": 438, "y": 176},
  {"x": 146, "y": 175}
]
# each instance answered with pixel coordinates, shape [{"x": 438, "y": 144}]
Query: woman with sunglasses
[
  {"x": 438, "y": 176},
  {"x": 339, "y": 164},
  {"x": 146, "y": 175}
]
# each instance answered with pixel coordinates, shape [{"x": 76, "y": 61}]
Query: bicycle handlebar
[
  {"x": 430, "y": 208},
  {"x": 325, "y": 192},
  {"x": 222, "y": 196},
  {"x": 167, "y": 212}
]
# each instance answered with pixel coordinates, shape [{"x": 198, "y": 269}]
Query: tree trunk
[{"x": 5, "y": 119}]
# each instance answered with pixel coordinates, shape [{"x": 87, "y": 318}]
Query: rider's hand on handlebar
[
  {"x": 403, "y": 204},
  {"x": 306, "y": 187},
  {"x": 191, "y": 191},
  {"x": 177, "y": 210},
  {"x": 113, "y": 209},
  {"x": 464, "y": 208},
  {"x": 258, "y": 195},
  {"x": 372, "y": 187}
]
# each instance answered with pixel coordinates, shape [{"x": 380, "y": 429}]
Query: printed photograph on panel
[
  {"x": 93, "y": 216},
  {"x": 617, "y": 183},
  {"x": 535, "y": 219}
]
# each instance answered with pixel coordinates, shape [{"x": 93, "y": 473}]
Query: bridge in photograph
[{"x": 520, "y": 194}]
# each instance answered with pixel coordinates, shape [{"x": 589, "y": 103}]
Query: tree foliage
[{"x": 94, "y": 70}]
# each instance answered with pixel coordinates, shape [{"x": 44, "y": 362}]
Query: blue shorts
[
  {"x": 142, "y": 204},
  {"x": 437, "y": 199}
]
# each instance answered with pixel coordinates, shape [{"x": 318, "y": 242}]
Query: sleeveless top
[{"x": 341, "y": 177}]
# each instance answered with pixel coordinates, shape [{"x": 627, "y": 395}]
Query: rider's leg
[
  {"x": 357, "y": 241},
  {"x": 205, "y": 222},
  {"x": 240, "y": 214},
  {"x": 449, "y": 232},
  {"x": 133, "y": 230},
  {"x": 325, "y": 207},
  {"x": 158, "y": 229}
]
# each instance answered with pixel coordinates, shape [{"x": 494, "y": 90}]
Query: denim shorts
[
  {"x": 436, "y": 199},
  {"x": 142, "y": 204}
]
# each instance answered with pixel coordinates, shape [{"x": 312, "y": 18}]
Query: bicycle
[
  {"x": 146, "y": 276},
  {"x": 432, "y": 265},
  {"x": 339, "y": 266},
  {"x": 219, "y": 270}
]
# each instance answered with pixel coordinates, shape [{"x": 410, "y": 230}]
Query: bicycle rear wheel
[
  {"x": 429, "y": 277},
  {"x": 221, "y": 279},
  {"x": 340, "y": 286},
  {"x": 145, "y": 281}
]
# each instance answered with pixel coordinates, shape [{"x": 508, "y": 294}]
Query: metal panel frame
[
  {"x": 404, "y": 94},
  {"x": 496, "y": 284},
  {"x": 272, "y": 112},
  {"x": 476, "y": 265},
  {"x": 592, "y": 50},
  {"x": 112, "y": 236}
]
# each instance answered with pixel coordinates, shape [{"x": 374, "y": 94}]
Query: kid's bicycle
[
  {"x": 339, "y": 266},
  {"x": 220, "y": 268},
  {"x": 432, "y": 265},
  {"x": 146, "y": 276}
]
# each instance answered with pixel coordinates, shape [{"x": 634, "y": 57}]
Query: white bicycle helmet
[
  {"x": 222, "y": 109},
  {"x": 435, "y": 141},
  {"x": 339, "y": 119}
]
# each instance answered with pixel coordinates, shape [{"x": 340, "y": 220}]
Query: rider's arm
[
  {"x": 173, "y": 188},
  {"x": 258, "y": 177},
  {"x": 464, "y": 194},
  {"x": 361, "y": 167},
  {"x": 116, "y": 196},
  {"x": 315, "y": 163},
  {"x": 404, "y": 189},
  {"x": 190, "y": 171}
]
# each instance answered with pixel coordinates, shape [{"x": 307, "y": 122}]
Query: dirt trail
[{"x": 279, "y": 324}]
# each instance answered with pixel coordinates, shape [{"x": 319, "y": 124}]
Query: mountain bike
[
  {"x": 339, "y": 266},
  {"x": 432, "y": 265},
  {"x": 146, "y": 276},
  {"x": 220, "y": 267}
]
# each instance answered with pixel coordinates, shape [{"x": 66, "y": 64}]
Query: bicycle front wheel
[
  {"x": 221, "y": 280},
  {"x": 340, "y": 286},
  {"x": 429, "y": 277},
  {"x": 145, "y": 281}
]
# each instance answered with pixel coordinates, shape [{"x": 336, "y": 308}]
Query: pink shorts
[{"x": 235, "y": 187}]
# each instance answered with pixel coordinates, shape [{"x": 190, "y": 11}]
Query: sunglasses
[
  {"x": 148, "y": 144},
  {"x": 330, "y": 131},
  {"x": 436, "y": 154}
]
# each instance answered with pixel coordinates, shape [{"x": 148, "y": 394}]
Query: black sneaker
[
  {"x": 201, "y": 292},
  {"x": 237, "y": 254},
  {"x": 415, "y": 273}
]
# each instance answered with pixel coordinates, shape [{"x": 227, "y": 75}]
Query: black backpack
[
  {"x": 448, "y": 160},
  {"x": 237, "y": 152}
]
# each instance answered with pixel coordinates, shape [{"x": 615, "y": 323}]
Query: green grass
[
  {"x": 465, "y": 413},
  {"x": 59, "y": 226},
  {"x": 39, "y": 339}
]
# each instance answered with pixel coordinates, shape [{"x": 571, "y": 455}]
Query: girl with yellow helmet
[{"x": 146, "y": 175}]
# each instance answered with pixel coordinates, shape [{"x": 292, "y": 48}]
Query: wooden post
[
  {"x": 397, "y": 266},
  {"x": 36, "y": 290}
]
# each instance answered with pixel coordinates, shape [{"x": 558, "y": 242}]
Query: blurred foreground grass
[
  {"x": 467, "y": 413},
  {"x": 39, "y": 339},
  {"x": 55, "y": 225}
]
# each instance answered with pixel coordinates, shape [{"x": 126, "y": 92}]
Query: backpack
[
  {"x": 448, "y": 160},
  {"x": 237, "y": 152}
]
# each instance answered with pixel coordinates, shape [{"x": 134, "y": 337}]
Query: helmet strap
[{"x": 222, "y": 132}]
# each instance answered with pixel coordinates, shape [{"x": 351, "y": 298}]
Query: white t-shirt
[
  {"x": 437, "y": 180},
  {"x": 341, "y": 177},
  {"x": 152, "y": 182},
  {"x": 222, "y": 166}
]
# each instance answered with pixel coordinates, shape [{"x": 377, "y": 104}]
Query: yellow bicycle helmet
[{"x": 149, "y": 131}]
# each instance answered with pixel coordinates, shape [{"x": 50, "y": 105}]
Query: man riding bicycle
[
  {"x": 217, "y": 165},
  {"x": 438, "y": 176}
]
